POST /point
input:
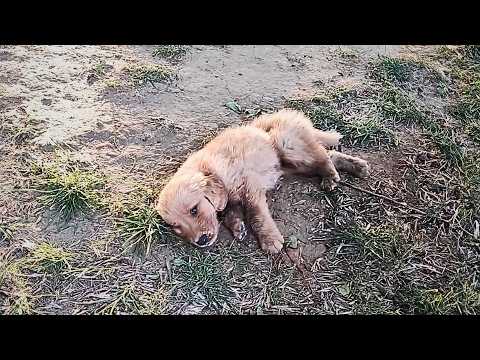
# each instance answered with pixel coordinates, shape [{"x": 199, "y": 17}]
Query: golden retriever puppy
[{"x": 233, "y": 172}]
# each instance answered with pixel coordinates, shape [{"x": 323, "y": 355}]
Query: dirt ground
[{"x": 403, "y": 241}]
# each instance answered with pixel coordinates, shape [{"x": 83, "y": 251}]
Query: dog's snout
[{"x": 203, "y": 240}]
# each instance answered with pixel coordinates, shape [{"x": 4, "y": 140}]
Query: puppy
[{"x": 233, "y": 172}]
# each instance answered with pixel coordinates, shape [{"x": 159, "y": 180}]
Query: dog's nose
[{"x": 203, "y": 240}]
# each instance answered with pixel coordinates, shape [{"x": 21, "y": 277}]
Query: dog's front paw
[
  {"x": 330, "y": 183},
  {"x": 272, "y": 245}
]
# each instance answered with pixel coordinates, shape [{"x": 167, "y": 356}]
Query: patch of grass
[
  {"x": 473, "y": 130},
  {"x": 143, "y": 74},
  {"x": 323, "y": 113},
  {"x": 12, "y": 282},
  {"x": 445, "y": 142},
  {"x": 170, "y": 52},
  {"x": 397, "y": 105},
  {"x": 70, "y": 192},
  {"x": 374, "y": 243},
  {"x": 154, "y": 303},
  {"x": 369, "y": 268},
  {"x": 463, "y": 299},
  {"x": 201, "y": 280},
  {"x": 141, "y": 227},
  {"x": 369, "y": 131},
  {"x": 132, "y": 298},
  {"x": 48, "y": 258},
  {"x": 466, "y": 108},
  {"x": 393, "y": 69}
]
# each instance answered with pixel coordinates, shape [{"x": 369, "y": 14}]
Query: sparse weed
[
  {"x": 170, "y": 52},
  {"x": 446, "y": 143},
  {"x": 133, "y": 298},
  {"x": 472, "y": 52},
  {"x": 23, "y": 131},
  {"x": 347, "y": 53},
  {"x": 101, "y": 68},
  {"x": 143, "y": 74},
  {"x": 12, "y": 282}
]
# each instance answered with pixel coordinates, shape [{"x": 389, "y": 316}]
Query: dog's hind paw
[{"x": 361, "y": 168}]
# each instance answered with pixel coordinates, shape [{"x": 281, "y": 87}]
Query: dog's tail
[{"x": 328, "y": 138}]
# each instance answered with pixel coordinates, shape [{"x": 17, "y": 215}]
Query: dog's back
[{"x": 286, "y": 123}]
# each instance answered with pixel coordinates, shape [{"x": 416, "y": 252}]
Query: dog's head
[{"x": 189, "y": 203}]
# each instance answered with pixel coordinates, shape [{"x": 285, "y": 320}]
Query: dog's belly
[{"x": 247, "y": 161}]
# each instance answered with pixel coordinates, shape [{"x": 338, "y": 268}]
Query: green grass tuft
[
  {"x": 49, "y": 258},
  {"x": 71, "y": 192},
  {"x": 143, "y": 74},
  {"x": 170, "y": 52},
  {"x": 141, "y": 227},
  {"x": 388, "y": 69}
]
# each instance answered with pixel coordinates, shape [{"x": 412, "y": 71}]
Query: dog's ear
[{"x": 215, "y": 191}]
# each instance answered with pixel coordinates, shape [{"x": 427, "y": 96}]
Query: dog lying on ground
[{"x": 233, "y": 172}]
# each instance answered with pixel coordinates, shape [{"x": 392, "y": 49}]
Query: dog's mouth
[{"x": 207, "y": 243}]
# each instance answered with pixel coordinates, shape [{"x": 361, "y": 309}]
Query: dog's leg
[
  {"x": 311, "y": 159},
  {"x": 234, "y": 221},
  {"x": 300, "y": 152},
  {"x": 263, "y": 226},
  {"x": 349, "y": 164}
]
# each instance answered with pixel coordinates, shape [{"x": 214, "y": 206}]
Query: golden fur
[{"x": 233, "y": 172}]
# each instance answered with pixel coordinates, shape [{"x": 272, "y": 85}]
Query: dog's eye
[{"x": 194, "y": 211}]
